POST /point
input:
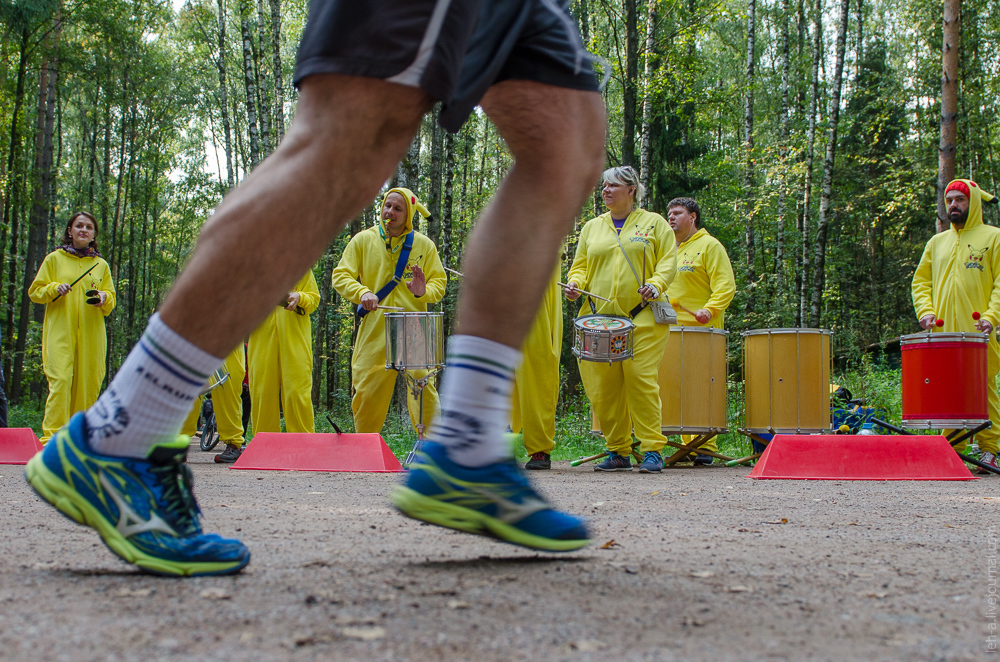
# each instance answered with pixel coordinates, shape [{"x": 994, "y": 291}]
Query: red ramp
[
  {"x": 860, "y": 457},
  {"x": 286, "y": 451},
  {"x": 18, "y": 445}
]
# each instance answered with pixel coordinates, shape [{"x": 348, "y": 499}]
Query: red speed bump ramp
[
  {"x": 287, "y": 451},
  {"x": 860, "y": 457},
  {"x": 18, "y": 445}
]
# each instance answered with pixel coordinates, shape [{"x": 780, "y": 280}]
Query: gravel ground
[{"x": 694, "y": 563}]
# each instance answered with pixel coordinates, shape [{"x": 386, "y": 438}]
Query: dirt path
[{"x": 704, "y": 566}]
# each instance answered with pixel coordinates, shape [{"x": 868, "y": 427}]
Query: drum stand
[
  {"x": 417, "y": 387},
  {"x": 695, "y": 446}
]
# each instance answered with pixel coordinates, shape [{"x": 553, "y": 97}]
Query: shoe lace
[
  {"x": 538, "y": 456},
  {"x": 651, "y": 455},
  {"x": 178, "y": 495}
]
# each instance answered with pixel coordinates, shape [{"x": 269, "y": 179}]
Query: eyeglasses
[{"x": 93, "y": 297}]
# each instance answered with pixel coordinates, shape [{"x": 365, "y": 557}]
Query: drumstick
[
  {"x": 457, "y": 273},
  {"x": 77, "y": 280},
  {"x": 380, "y": 307},
  {"x": 589, "y": 294},
  {"x": 677, "y": 303}
]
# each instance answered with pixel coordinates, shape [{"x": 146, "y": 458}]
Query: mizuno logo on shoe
[
  {"x": 129, "y": 521},
  {"x": 509, "y": 511}
]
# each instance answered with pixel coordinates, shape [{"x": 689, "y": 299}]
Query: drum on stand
[
  {"x": 414, "y": 340},
  {"x": 692, "y": 379},
  {"x": 218, "y": 378},
  {"x": 944, "y": 380},
  {"x": 787, "y": 380}
]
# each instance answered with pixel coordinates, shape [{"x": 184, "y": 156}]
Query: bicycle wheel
[{"x": 208, "y": 436}]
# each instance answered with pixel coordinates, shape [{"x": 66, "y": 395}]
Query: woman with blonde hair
[
  {"x": 629, "y": 256},
  {"x": 74, "y": 282}
]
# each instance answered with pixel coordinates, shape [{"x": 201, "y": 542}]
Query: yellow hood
[
  {"x": 976, "y": 197},
  {"x": 413, "y": 205}
]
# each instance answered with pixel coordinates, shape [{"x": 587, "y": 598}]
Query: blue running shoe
[
  {"x": 615, "y": 462},
  {"x": 495, "y": 501},
  {"x": 144, "y": 510},
  {"x": 652, "y": 463}
]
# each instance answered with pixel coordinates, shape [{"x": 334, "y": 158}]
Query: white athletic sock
[
  {"x": 151, "y": 395},
  {"x": 476, "y": 400}
]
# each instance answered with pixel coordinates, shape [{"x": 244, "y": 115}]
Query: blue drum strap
[{"x": 404, "y": 258}]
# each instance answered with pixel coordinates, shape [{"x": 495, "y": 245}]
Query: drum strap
[
  {"x": 401, "y": 262},
  {"x": 642, "y": 304}
]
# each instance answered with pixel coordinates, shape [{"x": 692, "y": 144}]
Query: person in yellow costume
[
  {"x": 958, "y": 275},
  {"x": 280, "y": 361},
  {"x": 227, "y": 403},
  {"x": 74, "y": 340},
  {"x": 625, "y": 395},
  {"x": 536, "y": 381},
  {"x": 369, "y": 265},
  {"x": 704, "y": 286}
]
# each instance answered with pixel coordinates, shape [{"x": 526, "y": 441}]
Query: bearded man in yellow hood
[
  {"x": 369, "y": 263},
  {"x": 958, "y": 275}
]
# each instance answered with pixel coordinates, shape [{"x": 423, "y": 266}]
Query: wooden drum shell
[{"x": 787, "y": 380}]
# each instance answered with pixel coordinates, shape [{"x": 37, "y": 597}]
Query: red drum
[{"x": 944, "y": 380}]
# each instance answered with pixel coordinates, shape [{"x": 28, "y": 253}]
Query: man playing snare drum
[
  {"x": 705, "y": 285},
  {"x": 366, "y": 276},
  {"x": 958, "y": 275}
]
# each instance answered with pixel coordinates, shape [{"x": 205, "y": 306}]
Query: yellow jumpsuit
[
  {"x": 368, "y": 263},
  {"x": 959, "y": 274},
  {"x": 704, "y": 280},
  {"x": 227, "y": 403},
  {"x": 280, "y": 361},
  {"x": 74, "y": 340},
  {"x": 625, "y": 395},
  {"x": 536, "y": 382}
]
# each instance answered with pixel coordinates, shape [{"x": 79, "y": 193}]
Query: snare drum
[
  {"x": 218, "y": 378},
  {"x": 944, "y": 380},
  {"x": 414, "y": 340},
  {"x": 787, "y": 380},
  {"x": 602, "y": 338}
]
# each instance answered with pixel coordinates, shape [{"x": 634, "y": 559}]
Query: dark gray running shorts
[{"x": 453, "y": 49}]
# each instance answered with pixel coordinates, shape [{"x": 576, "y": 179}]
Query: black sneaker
[
  {"x": 615, "y": 462},
  {"x": 702, "y": 460},
  {"x": 230, "y": 455},
  {"x": 539, "y": 462}
]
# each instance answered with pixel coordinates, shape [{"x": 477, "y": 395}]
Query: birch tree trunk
[
  {"x": 825, "y": 211},
  {"x": 262, "y": 88},
  {"x": 949, "y": 104},
  {"x": 220, "y": 63},
  {"x": 249, "y": 83},
  {"x": 434, "y": 195},
  {"x": 279, "y": 84},
  {"x": 748, "y": 172},
  {"x": 802, "y": 274},
  {"x": 630, "y": 91},
  {"x": 645, "y": 149},
  {"x": 779, "y": 250}
]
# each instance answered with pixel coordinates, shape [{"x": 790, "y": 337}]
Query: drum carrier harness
[{"x": 401, "y": 262}]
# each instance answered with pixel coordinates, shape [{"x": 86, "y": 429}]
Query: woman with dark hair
[{"x": 74, "y": 282}]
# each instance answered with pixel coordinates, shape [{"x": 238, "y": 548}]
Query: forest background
[{"x": 808, "y": 131}]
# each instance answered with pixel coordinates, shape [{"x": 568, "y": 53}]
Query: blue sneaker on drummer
[
  {"x": 143, "y": 509},
  {"x": 495, "y": 501}
]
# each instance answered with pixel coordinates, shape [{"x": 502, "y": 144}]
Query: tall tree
[
  {"x": 250, "y": 83},
  {"x": 825, "y": 204},
  {"x": 802, "y": 273},
  {"x": 279, "y": 85},
  {"x": 950, "y": 44},
  {"x": 630, "y": 83},
  {"x": 220, "y": 63},
  {"x": 749, "y": 206},
  {"x": 645, "y": 149}
]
